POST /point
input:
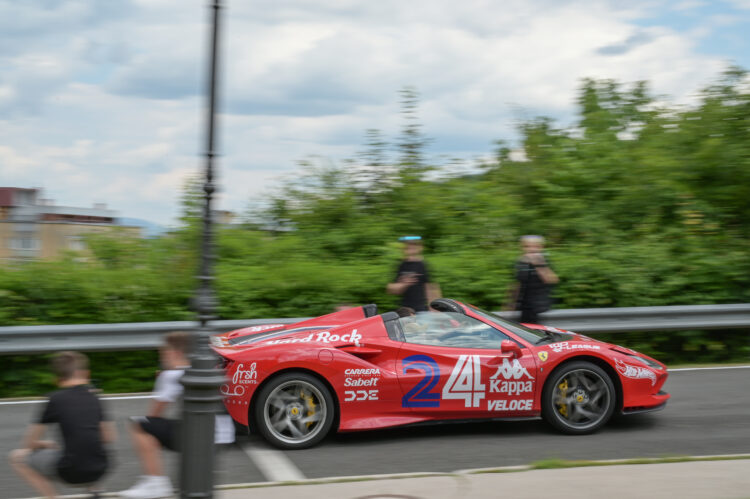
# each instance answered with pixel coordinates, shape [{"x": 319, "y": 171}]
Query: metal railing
[{"x": 147, "y": 335}]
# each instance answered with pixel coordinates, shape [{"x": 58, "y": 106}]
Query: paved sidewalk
[{"x": 688, "y": 480}]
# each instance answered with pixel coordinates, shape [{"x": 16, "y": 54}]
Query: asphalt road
[{"x": 709, "y": 414}]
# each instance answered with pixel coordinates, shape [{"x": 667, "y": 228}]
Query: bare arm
[
  {"x": 33, "y": 438},
  {"x": 403, "y": 282},
  {"x": 107, "y": 431},
  {"x": 511, "y": 298},
  {"x": 432, "y": 291},
  {"x": 545, "y": 274},
  {"x": 157, "y": 408}
]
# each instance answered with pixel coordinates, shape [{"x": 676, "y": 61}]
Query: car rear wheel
[
  {"x": 294, "y": 411},
  {"x": 578, "y": 398}
]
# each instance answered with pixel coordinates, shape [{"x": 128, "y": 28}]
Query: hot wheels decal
[
  {"x": 465, "y": 382},
  {"x": 635, "y": 372},
  {"x": 420, "y": 395}
]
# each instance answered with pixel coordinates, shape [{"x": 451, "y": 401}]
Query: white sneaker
[{"x": 150, "y": 487}]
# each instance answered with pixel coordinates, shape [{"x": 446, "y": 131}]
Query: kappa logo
[{"x": 511, "y": 370}]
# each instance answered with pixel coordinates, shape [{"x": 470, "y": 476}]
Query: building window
[{"x": 24, "y": 244}]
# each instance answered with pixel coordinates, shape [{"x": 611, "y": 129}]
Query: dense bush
[{"x": 641, "y": 205}]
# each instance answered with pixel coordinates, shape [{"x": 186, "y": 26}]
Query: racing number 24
[{"x": 420, "y": 395}]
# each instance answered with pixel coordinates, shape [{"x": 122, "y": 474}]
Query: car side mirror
[{"x": 510, "y": 347}]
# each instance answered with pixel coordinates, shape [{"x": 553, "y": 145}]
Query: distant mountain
[{"x": 149, "y": 229}]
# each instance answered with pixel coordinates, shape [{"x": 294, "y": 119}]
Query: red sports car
[{"x": 357, "y": 370}]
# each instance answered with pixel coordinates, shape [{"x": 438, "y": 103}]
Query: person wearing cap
[
  {"x": 534, "y": 281},
  {"x": 412, "y": 278}
]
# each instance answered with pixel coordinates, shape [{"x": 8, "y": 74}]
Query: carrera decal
[
  {"x": 420, "y": 395},
  {"x": 361, "y": 377},
  {"x": 635, "y": 372},
  {"x": 465, "y": 382}
]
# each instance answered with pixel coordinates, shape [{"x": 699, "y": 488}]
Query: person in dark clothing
[
  {"x": 84, "y": 428},
  {"x": 534, "y": 281},
  {"x": 412, "y": 278}
]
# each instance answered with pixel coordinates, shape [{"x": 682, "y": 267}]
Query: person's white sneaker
[
  {"x": 151, "y": 487},
  {"x": 133, "y": 492}
]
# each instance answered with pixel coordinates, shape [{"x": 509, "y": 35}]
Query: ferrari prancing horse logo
[{"x": 543, "y": 356}]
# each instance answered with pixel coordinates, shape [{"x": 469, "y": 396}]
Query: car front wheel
[
  {"x": 578, "y": 398},
  {"x": 294, "y": 411}
]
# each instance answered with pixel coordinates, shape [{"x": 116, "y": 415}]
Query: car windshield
[{"x": 533, "y": 336}]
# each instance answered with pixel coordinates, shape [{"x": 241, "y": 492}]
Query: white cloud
[{"x": 102, "y": 101}]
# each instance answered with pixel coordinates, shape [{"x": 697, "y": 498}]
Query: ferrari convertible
[{"x": 358, "y": 370}]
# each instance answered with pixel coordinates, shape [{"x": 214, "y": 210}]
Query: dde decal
[{"x": 360, "y": 395}]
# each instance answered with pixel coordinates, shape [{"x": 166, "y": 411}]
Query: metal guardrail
[{"x": 147, "y": 335}]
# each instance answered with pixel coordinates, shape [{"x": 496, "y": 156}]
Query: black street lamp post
[{"x": 202, "y": 379}]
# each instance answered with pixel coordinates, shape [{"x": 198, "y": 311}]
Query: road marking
[
  {"x": 41, "y": 401},
  {"x": 274, "y": 464},
  {"x": 706, "y": 368}
]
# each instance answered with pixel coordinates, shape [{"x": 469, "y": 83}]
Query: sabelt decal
[
  {"x": 321, "y": 337},
  {"x": 635, "y": 372},
  {"x": 543, "y": 356},
  {"x": 559, "y": 347},
  {"x": 465, "y": 382},
  {"x": 360, "y": 395},
  {"x": 362, "y": 377}
]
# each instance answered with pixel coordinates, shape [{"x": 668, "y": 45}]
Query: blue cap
[{"x": 410, "y": 238}]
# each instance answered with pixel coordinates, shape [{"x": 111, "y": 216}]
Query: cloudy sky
[{"x": 101, "y": 101}]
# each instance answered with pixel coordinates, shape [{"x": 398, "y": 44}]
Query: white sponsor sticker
[
  {"x": 361, "y": 382},
  {"x": 245, "y": 376},
  {"x": 635, "y": 372},
  {"x": 559, "y": 347},
  {"x": 511, "y": 370},
  {"x": 321, "y": 337},
  {"x": 510, "y": 405},
  {"x": 465, "y": 382},
  {"x": 360, "y": 395}
]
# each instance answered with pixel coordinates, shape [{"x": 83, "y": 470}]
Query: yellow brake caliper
[
  {"x": 310, "y": 403},
  {"x": 563, "y": 388}
]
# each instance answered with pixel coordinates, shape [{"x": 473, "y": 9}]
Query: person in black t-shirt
[
  {"x": 83, "y": 425},
  {"x": 412, "y": 278},
  {"x": 534, "y": 281}
]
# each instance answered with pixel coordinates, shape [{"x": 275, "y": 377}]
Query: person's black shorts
[{"x": 166, "y": 431}]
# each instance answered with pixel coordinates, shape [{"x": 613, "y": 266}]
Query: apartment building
[{"x": 32, "y": 227}]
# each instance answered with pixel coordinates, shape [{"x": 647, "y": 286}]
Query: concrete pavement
[{"x": 687, "y": 480}]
